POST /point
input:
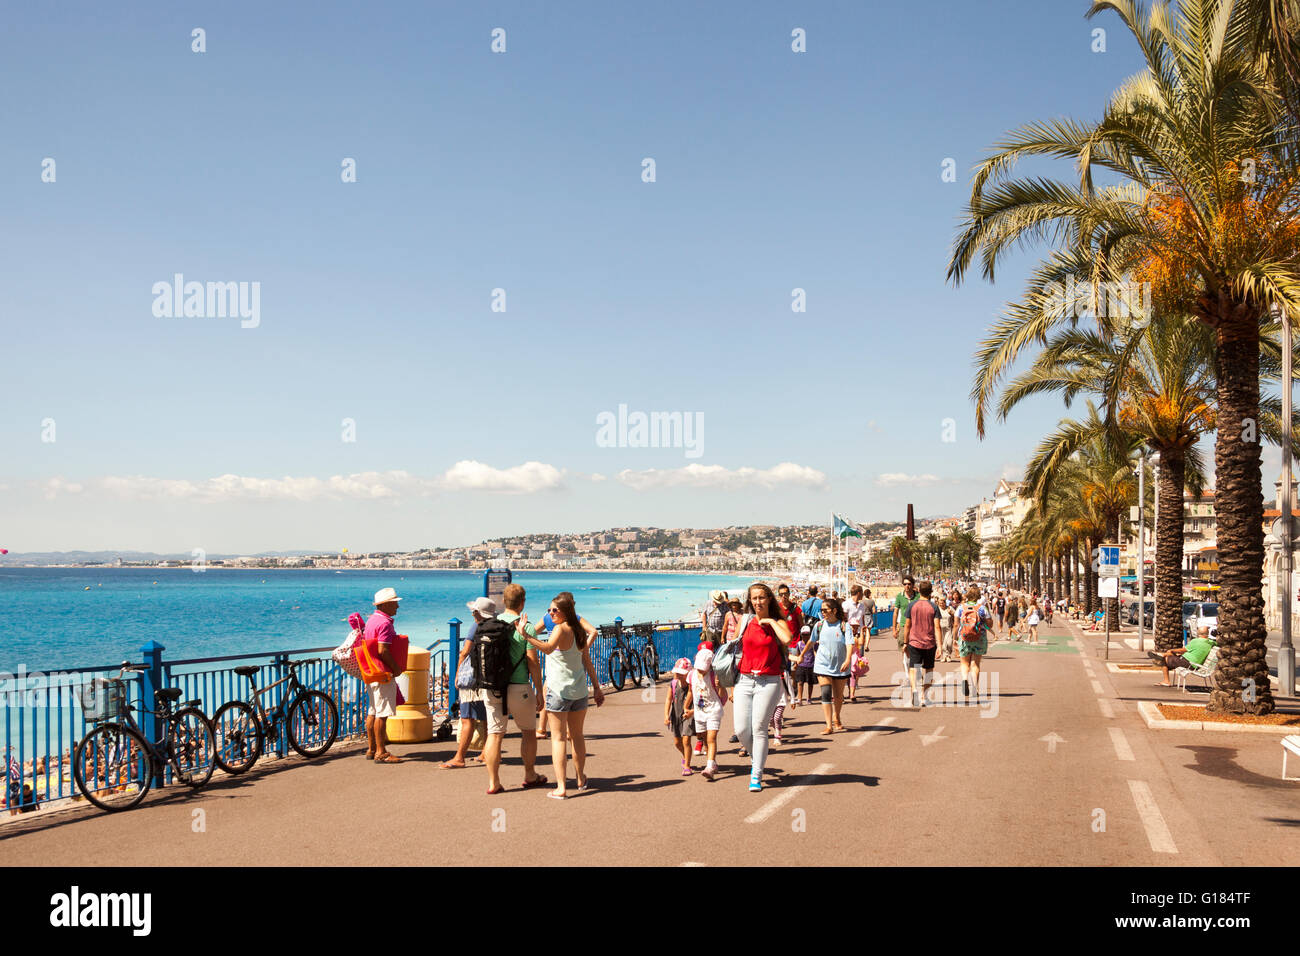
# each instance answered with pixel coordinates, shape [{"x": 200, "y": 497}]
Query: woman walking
[
  {"x": 831, "y": 665},
  {"x": 567, "y": 671},
  {"x": 763, "y": 642},
  {"x": 1034, "y": 620},
  {"x": 975, "y": 624}
]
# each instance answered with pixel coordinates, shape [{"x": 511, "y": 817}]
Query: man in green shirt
[
  {"x": 522, "y": 702},
  {"x": 902, "y": 602},
  {"x": 1192, "y": 656}
]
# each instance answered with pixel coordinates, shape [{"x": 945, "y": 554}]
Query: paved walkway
[{"x": 1057, "y": 768}]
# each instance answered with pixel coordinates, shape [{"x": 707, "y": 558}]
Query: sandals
[
  {"x": 388, "y": 758},
  {"x": 448, "y": 765},
  {"x": 493, "y": 793},
  {"x": 538, "y": 781},
  {"x": 828, "y": 730},
  {"x": 370, "y": 755},
  {"x": 556, "y": 796}
]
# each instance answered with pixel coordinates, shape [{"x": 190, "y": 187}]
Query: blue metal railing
[{"x": 43, "y": 719}]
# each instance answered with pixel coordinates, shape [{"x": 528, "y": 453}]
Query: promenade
[{"x": 1058, "y": 768}]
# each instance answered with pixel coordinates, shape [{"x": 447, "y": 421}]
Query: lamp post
[
  {"x": 1155, "y": 532},
  {"x": 1286, "y": 653}
]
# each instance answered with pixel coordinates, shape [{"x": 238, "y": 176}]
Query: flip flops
[
  {"x": 388, "y": 758},
  {"x": 538, "y": 781},
  {"x": 493, "y": 793},
  {"x": 556, "y": 796}
]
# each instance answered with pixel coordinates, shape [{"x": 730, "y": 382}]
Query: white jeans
[{"x": 756, "y": 700}]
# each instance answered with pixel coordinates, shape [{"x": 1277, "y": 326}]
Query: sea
[{"x": 53, "y": 619}]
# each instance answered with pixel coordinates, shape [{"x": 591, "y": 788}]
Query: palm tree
[{"x": 1205, "y": 217}]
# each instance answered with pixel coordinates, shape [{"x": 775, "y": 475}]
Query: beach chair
[
  {"x": 1205, "y": 671},
  {"x": 1290, "y": 745}
]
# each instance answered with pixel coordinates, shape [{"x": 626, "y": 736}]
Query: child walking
[
  {"x": 679, "y": 712},
  {"x": 787, "y": 700},
  {"x": 707, "y": 699}
]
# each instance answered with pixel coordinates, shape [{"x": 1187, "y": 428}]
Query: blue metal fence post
[
  {"x": 618, "y": 634},
  {"x": 281, "y": 662},
  {"x": 453, "y": 692},
  {"x": 151, "y": 681}
]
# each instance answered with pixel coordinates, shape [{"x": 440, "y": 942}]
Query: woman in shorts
[
  {"x": 831, "y": 665},
  {"x": 973, "y": 650},
  {"x": 567, "y": 671}
]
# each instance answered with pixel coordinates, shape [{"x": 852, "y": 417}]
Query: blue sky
[{"x": 520, "y": 171}]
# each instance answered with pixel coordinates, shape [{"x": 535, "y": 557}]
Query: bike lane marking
[
  {"x": 1122, "y": 750},
  {"x": 1096, "y": 688},
  {"x": 785, "y": 796},
  {"x": 1152, "y": 820}
]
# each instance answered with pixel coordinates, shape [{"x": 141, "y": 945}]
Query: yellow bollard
[{"x": 413, "y": 723}]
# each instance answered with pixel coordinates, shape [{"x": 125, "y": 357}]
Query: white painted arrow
[
  {"x": 933, "y": 738},
  {"x": 1052, "y": 740}
]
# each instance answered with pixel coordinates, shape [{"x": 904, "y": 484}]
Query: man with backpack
[
  {"x": 504, "y": 655},
  {"x": 812, "y": 608}
]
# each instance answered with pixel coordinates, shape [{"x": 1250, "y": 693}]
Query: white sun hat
[{"x": 386, "y": 596}]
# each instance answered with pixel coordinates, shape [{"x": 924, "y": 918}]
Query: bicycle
[
  {"x": 115, "y": 765},
  {"x": 311, "y": 721},
  {"x": 624, "y": 661}
]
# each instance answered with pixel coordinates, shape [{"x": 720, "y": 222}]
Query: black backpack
[{"x": 490, "y": 655}]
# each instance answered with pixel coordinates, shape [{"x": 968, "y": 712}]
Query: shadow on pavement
[{"x": 1219, "y": 762}]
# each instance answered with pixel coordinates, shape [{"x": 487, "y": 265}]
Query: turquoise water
[{"x": 51, "y": 622}]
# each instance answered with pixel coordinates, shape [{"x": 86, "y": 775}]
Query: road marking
[
  {"x": 1122, "y": 750},
  {"x": 1157, "y": 833},
  {"x": 785, "y": 796},
  {"x": 884, "y": 721},
  {"x": 1104, "y": 704},
  {"x": 1052, "y": 740},
  {"x": 1096, "y": 688},
  {"x": 933, "y": 738}
]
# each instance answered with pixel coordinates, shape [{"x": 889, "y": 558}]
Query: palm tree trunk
[
  {"x": 1169, "y": 552},
  {"x": 1242, "y": 676}
]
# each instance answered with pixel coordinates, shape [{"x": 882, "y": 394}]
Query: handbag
[
  {"x": 345, "y": 655},
  {"x": 726, "y": 662}
]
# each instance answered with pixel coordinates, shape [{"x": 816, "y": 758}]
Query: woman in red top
[{"x": 763, "y": 641}]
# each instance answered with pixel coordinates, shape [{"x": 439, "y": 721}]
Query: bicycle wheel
[
  {"x": 313, "y": 723},
  {"x": 238, "y": 735},
  {"x": 112, "y": 767},
  {"x": 617, "y": 669},
  {"x": 651, "y": 658},
  {"x": 192, "y": 747},
  {"x": 634, "y": 667}
]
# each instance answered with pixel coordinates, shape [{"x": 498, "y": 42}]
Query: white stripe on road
[
  {"x": 884, "y": 721},
  {"x": 1157, "y": 833},
  {"x": 785, "y": 796},
  {"x": 1096, "y": 688},
  {"x": 1122, "y": 750},
  {"x": 1104, "y": 704}
]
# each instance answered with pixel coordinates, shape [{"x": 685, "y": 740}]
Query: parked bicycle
[
  {"x": 242, "y": 727},
  {"x": 115, "y": 765},
  {"x": 625, "y": 661}
]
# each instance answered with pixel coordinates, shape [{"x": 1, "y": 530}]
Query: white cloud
[
  {"x": 529, "y": 477},
  {"x": 53, "y": 487},
  {"x": 897, "y": 479},
  {"x": 716, "y": 476},
  {"x": 522, "y": 479}
]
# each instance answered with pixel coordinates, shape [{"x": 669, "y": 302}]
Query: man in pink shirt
[
  {"x": 380, "y": 634},
  {"x": 921, "y": 633}
]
